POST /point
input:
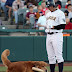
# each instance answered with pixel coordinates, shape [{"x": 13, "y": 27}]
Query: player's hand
[
  {"x": 53, "y": 27},
  {"x": 50, "y": 27}
]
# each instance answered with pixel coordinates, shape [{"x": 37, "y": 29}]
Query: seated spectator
[
  {"x": 0, "y": 7},
  {"x": 8, "y": 5},
  {"x": 37, "y": 15},
  {"x": 68, "y": 24},
  {"x": 33, "y": 2},
  {"x": 4, "y": 8},
  {"x": 68, "y": 2},
  {"x": 59, "y": 3},
  {"x": 30, "y": 14},
  {"x": 41, "y": 2},
  {"x": 25, "y": 3},
  {"x": 68, "y": 9},
  {"x": 16, "y": 5},
  {"x": 41, "y": 23},
  {"x": 43, "y": 7},
  {"x": 70, "y": 15}
]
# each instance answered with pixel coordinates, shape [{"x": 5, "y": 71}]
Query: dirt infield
[{"x": 67, "y": 64}]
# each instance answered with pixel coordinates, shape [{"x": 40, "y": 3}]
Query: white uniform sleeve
[
  {"x": 62, "y": 18},
  {"x": 39, "y": 20}
]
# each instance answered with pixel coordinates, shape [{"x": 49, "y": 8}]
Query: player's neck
[{"x": 54, "y": 10}]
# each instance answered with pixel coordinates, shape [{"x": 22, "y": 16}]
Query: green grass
[
  {"x": 3, "y": 68},
  {"x": 66, "y": 68}
]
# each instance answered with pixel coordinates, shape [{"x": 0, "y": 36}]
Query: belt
[{"x": 51, "y": 33}]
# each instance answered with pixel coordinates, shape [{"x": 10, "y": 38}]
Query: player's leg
[
  {"x": 58, "y": 47},
  {"x": 51, "y": 54}
]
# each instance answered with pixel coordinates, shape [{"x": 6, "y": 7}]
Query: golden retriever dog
[{"x": 22, "y": 66}]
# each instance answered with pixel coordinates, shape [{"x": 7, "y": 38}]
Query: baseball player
[{"x": 55, "y": 23}]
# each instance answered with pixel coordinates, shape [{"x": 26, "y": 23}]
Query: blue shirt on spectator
[{"x": 9, "y": 3}]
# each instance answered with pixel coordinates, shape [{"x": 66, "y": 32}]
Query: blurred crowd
[{"x": 34, "y": 12}]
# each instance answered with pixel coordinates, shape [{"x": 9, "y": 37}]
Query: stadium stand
[{"x": 22, "y": 17}]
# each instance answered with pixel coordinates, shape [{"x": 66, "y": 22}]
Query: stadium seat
[
  {"x": 24, "y": 16},
  {"x": 24, "y": 19},
  {"x": 63, "y": 9},
  {"x": 32, "y": 22},
  {"x": 20, "y": 15},
  {"x": 35, "y": 10},
  {"x": 63, "y": 4}
]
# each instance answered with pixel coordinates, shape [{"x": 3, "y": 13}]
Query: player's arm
[
  {"x": 61, "y": 26},
  {"x": 62, "y": 22}
]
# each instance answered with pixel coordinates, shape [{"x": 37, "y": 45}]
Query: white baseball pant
[{"x": 54, "y": 46}]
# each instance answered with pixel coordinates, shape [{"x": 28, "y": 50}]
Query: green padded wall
[
  {"x": 40, "y": 48},
  {"x": 21, "y": 48},
  {"x": 69, "y": 48},
  {"x": 65, "y": 48},
  {"x": 32, "y": 48}
]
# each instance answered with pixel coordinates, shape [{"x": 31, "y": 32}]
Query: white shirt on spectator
[
  {"x": 42, "y": 21},
  {"x": 21, "y": 5},
  {"x": 70, "y": 15}
]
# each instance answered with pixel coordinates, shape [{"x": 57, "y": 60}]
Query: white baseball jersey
[{"x": 55, "y": 18}]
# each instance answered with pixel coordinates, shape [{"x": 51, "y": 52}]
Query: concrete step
[
  {"x": 2, "y": 18},
  {"x": 63, "y": 4},
  {"x": 14, "y": 26},
  {"x": 2, "y": 15},
  {"x": 5, "y": 22},
  {"x": 18, "y": 34}
]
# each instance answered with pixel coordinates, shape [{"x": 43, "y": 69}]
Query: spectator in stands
[
  {"x": 30, "y": 14},
  {"x": 43, "y": 4},
  {"x": 68, "y": 9},
  {"x": 70, "y": 15},
  {"x": 25, "y": 3},
  {"x": 8, "y": 5},
  {"x": 17, "y": 4},
  {"x": 41, "y": 23},
  {"x": 0, "y": 10},
  {"x": 68, "y": 24},
  {"x": 4, "y": 8},
  {"x": 59, "y": 3},
  {"x": 68, "y": 2},
  {"x": 33, "y": 2},
  {"x": 37, "y": 15},
  {"x": 0, "y": 7}
]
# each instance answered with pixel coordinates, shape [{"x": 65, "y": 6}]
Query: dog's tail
[{"x": 4, "y": 58}]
